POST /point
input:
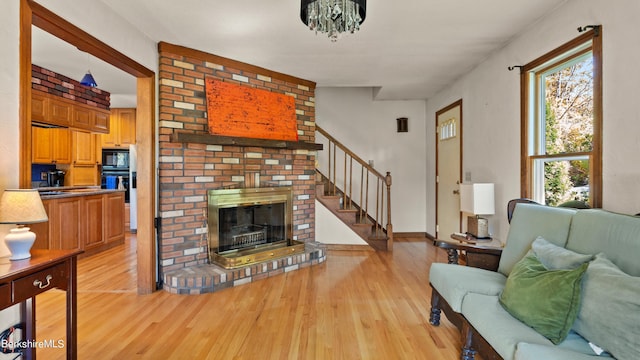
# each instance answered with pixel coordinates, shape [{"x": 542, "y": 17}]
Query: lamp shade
[
  {"x": 22, "y": 206},
  {"x": 477, "y": 199},
  {"x": 88, "y": 80}
]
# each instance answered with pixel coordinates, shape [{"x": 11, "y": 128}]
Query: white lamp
[
  {"x": 477, "y": 199},
  {"x": 21, "y": 207}
]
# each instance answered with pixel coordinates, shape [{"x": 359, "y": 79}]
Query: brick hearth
[{"x": 207, "y": 278}]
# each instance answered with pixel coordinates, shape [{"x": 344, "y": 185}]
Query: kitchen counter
[
  {"x": 71, "y": 191},
  {"x": 85, "y": 218}
]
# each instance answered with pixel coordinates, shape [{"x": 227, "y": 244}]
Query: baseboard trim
[
  {"x": 349, "y": 247},
  {"x": 409, "y": 234}
]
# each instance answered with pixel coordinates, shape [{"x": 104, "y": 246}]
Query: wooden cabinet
[
  {"x": 39, "y": 107},
  {"x": 50, "y": 145},
  {"x": 122, "y": 131},
  {"x": 93, "y": 209},
  {"x": 55, "y": 110},
  {"x": 84, "y": 148},
  {"x": 84, "y": 166},
  {"x": 60, "y": 111},
  {"x": 94, "y": 120},
  {"x": 114, "y": 220},
  {"x": 91, "y": 222},
  {"x": 66, "y": 224}
]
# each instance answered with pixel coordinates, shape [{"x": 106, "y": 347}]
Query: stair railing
[{"x": 338, "y": 168}]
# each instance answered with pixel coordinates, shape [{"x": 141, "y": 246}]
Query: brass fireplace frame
[{"x": 228, "y": 198}]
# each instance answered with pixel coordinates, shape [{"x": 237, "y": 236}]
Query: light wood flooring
[{"x": 357, "y": 305}]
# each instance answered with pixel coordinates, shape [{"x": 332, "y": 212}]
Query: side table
[
  {"x": 482, "y": 253},
  {"x": 22, "y": 280}
]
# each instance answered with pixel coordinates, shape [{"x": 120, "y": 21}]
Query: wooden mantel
[{"x": 238, "y": 141}]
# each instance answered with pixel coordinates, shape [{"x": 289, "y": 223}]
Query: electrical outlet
[{"x": 43, "y": 175}]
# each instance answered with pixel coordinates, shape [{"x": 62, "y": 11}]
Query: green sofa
[{"x": 601, "y": 320}]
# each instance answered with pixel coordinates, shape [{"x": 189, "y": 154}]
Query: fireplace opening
[{"x": 250, "y": 225}]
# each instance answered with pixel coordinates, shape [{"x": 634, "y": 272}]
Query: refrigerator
[{"x": 133, "y": 184}]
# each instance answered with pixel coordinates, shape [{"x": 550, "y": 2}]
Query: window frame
[{"x": 571, "y": 49}]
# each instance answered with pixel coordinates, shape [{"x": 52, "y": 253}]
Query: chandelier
[{"x": 333, "y": 17}]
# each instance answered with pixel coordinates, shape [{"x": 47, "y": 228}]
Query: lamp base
[
  {"x": 478, "y": 227},
  {"x": 19, "y": 241}
]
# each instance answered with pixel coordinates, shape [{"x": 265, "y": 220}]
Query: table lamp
[
  {"x": 21, "y": 207},
  {"x": 477, "y": 199}
]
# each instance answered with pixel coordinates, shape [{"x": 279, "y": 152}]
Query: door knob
[{"x": 456, "y": 192}]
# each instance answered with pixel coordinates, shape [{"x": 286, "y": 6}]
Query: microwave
[{"x": 115, "y": 159}]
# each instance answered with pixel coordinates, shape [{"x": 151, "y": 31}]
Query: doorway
[
  {"x": 32, "y": 13},
  {"x": 448, "y": 169}
]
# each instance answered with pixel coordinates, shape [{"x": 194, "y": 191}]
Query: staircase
[{"x": 365, "y": 208}]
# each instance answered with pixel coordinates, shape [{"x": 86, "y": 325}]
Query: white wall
[
  {"x": 331, "y": 230},
  {"x": 491, "y": 106},
  {"x": 368, "y": 128}
]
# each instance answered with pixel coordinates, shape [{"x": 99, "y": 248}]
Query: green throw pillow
[{"x": 546, "y": 300}]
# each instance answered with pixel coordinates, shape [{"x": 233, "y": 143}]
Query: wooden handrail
[{"x": 382, "y": 188}]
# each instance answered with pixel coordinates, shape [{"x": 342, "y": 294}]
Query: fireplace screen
[{"x": 249, "y": 225}]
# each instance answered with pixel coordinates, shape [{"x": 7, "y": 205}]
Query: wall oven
[{"x": 115, "y": 171}]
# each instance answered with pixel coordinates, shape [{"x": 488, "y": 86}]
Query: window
[{"x": 561, "y": 125}]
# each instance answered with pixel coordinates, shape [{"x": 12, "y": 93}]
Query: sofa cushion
[
  {"x": 497, "y": 326},
  {"x": 616, "y": 235},
  {"x": 453, "y": 282},
  {"x": 546, "y": 300},
  {"x": 525, "y": 351},
  {"x": 610, "y": 312},
  {"x": 554, "y": 257},
  {"x": 530, "y": 221}
]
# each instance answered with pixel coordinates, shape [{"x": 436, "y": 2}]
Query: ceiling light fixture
[
  {"x": 333, "y": 17},
  {"x": 87, "y": 79}
]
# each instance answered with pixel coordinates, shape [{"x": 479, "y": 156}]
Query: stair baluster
[{"x": 372, "y": 224}]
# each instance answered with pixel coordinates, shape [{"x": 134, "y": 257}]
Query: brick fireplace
[{"x": 189, "y": 169}]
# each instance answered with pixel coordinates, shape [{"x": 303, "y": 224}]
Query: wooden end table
[
  {"x": 482, "y": 253},
  {"x": 22, "y": 280}
]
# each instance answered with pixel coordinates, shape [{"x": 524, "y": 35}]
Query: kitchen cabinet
[
  {"x": 122, "y": 131},
  {"x": 93, "y": 209},
  {"x": 95, "y": 120},
  {"x": 66, "y": 224},
  {"x": 84, "y": 167},
  {"x": 50, "y": 145},
  {"x": 58, "y": 111},
  {"x": 91, "y": 221},
  {"x": 114, "y": 220}
]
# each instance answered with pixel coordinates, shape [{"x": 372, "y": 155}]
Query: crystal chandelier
[{"x": 333, "y": 17}]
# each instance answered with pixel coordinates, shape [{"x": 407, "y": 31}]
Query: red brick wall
[
  {"x": 188, "y": 170},
  {"x": 59, "y": 85}
]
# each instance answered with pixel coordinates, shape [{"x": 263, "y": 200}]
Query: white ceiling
[{"x": 409, "y": 49}]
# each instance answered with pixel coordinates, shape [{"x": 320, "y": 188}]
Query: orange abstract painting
[{"x": 243, "y": 111}]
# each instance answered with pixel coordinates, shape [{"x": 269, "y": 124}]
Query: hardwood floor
[{"x": 357, "y": 305}]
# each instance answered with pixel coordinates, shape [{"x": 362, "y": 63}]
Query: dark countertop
[{"x": 71, "y": 191}]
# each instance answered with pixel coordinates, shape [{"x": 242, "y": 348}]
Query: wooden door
[
  {"x": 67, "y": 230},
  {"x": 448, "y": 169},
  {"x": 84, "y": 148},
  {"x": 93, "y": 210},
  {"x": 60, "y": 112},
  {"x": 61, "y": 139},
  {"x": 41, "y": 145},
  {"x": 39, "y": 107},
  {"x": 127, "y": 127},
  {"x": 114, "y": 220},
  {"x": 101, "y": 122}
]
